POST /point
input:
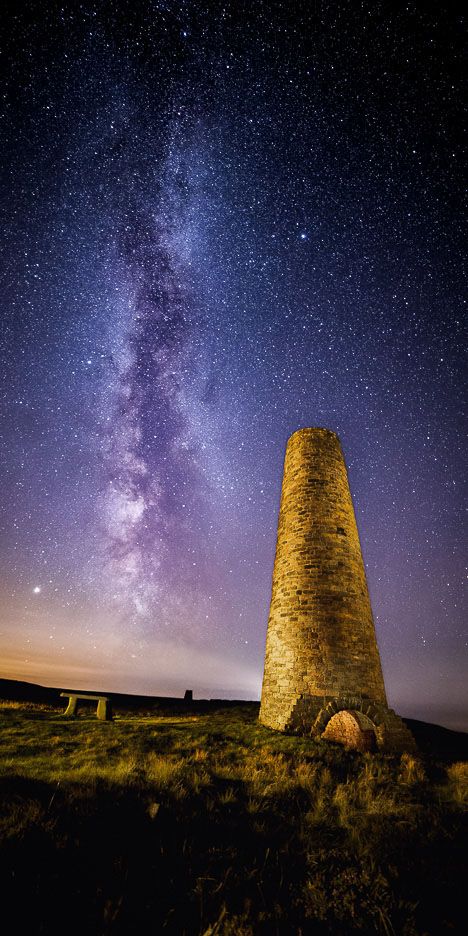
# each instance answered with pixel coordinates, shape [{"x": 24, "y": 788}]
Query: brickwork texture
[
  {"x": 321, "y": 643},
  {"x": 353, "y": 730}
]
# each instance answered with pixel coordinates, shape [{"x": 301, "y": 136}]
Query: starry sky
[{"x": 223, "y": 222}]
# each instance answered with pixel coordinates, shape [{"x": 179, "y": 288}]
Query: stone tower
[{"x": 322, "y": 664}]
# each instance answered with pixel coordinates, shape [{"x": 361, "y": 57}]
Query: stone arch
[
  {"x": 364, "y": 706},
  {"x": 366, "y": 715},
  {"x": 310, "y": 715},
  {"x": 352, "y": 729}
]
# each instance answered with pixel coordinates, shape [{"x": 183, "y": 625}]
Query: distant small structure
[
  {"x": 322, "y": 665},
  {"x": 188, "y": 696}
]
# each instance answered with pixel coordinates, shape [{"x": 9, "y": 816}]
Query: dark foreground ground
[{"x": 196, "y": 820}]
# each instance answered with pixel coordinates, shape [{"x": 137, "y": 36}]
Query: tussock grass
[
  {"x": 214, "y": 825},
  {"x": 456, "y": 790}
]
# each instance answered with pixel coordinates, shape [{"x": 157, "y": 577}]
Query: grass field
[{"x": 210, "y": 824}]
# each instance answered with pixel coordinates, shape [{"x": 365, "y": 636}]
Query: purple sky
[{"x": 223, "y": 222}]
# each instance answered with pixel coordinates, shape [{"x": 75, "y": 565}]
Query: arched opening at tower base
[
  {"x": 353, "y": 721},
  {"x": 351, "y": 729}
]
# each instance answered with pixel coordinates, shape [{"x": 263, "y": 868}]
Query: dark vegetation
[{"x": 196, "y": 820}]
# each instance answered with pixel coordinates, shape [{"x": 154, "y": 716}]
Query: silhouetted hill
[
  {"x": 16, "y": 691},
  {"x": 440, "y": 742}
]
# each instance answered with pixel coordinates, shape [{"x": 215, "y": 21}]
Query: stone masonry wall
[{"x": 321, "y": 638}]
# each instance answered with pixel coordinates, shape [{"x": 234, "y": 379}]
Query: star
[{"x": 167, "y": 333}]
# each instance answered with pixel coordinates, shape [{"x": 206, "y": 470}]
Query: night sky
[{"x": 222, "y": 222}]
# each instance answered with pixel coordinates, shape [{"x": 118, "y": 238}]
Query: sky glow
[{"x": 224, "y": 222}]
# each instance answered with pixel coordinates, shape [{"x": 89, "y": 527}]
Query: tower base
[{"x": 360, "y": 719}]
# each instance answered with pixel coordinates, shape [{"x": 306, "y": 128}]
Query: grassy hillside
[{"x": 207, "y": 823}]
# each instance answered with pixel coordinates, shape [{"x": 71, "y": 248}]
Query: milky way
[{"x": 223, "y": 222}]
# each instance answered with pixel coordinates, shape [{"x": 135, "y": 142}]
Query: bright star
[{"x": 36, "y": 590}]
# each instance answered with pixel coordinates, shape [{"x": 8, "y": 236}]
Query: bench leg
[
  {"x": 72, "y": 707},
  {"x": 103, "y": 710}
]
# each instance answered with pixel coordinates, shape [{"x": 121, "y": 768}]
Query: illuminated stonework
[
  {"x": 352, "y": 729},
  {"x": 321, "y": 650}
]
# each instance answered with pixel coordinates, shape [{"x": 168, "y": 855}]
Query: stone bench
[{"x": 104, "y": 711}]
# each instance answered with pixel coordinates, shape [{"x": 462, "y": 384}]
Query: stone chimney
[{"x": 321, "y": 653}]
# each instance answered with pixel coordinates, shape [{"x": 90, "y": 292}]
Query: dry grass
[
  {"x": 456, "y": 791},
  {"x": 215, "y": 825}
]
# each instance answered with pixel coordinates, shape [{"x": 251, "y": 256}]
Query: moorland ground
[{"x": 207, "y": 823}]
